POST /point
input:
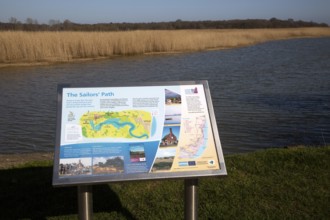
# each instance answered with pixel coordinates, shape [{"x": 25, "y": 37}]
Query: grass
[
  {"x": 272, "y": 184},
  {"x": 17, "y": 47}
]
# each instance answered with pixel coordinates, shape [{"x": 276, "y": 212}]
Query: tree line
[{"x": 56, "y": 25}]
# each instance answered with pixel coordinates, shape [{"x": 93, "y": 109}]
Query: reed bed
[{"x": 33, "y": 47}]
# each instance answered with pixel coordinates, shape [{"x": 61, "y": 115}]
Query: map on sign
[
  {"x": 116, "y": 124},
  {"x": 195, "y": 130}
]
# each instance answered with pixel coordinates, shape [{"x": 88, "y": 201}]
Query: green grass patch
[{"x": 272, "y": 184}]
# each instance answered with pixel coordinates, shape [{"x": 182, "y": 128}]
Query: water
[{"x": 274, "y": 94}]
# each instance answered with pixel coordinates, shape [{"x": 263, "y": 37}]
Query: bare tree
[
  {"x": 67, "y": 22},
  {"x": 52, "y": 22},
  {"x": 13, "y": 20},
  {"x": 29, "y": 21}
]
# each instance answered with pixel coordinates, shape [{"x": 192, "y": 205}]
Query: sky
[{"x": 106, "y": 11}]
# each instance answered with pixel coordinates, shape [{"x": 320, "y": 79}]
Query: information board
[{"x": 135, "y": 132}]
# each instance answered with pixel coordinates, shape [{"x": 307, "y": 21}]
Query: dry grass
[{"x": 33, "y": 47}]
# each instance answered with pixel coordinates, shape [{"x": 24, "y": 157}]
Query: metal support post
[
  {"x": 85, "y": 202},
  {"x": 191, "y": 199}
]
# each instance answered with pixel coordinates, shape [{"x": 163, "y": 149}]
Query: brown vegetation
[{"x": 33, "y": 47}]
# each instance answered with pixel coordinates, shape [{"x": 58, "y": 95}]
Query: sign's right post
[{"x": 191, "y": 199}]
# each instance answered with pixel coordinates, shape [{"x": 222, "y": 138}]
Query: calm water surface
[{"x": 274, "y": 94}]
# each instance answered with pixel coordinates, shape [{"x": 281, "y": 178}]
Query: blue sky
[{"x": 105, "y": 11}]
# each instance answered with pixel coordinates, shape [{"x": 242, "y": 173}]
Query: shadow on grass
[{"x": 28, "y": 193}]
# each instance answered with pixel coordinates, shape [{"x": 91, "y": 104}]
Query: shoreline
[
  {"x": 17, "y": 159},
  {"x": 14, "y": 160},
  {"x": 50, "y": 48},
  {"x": 83, "y": 60}
]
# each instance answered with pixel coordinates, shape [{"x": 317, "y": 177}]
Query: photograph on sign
[{"x": 150, "y": 131}]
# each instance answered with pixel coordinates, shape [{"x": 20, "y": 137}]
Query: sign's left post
[{"x": 85, "y": 202}]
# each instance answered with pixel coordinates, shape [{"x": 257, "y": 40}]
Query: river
[{"x": 274, "y": 94}]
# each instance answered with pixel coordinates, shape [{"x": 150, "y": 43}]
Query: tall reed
[{"x": 30, "y": 47}]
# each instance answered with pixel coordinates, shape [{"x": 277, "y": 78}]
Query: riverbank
[
  {"x": 19, "y": 48},
  {"x": 282, "y": 183},
  {"x": 13, "y": 160}
]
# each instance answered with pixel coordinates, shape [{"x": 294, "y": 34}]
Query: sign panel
[{"x": 135, "y": 132}]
